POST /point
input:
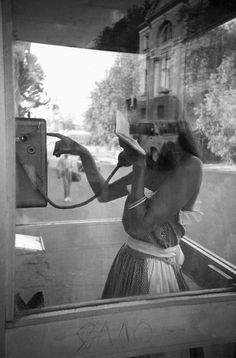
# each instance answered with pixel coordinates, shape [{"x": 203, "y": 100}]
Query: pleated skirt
[{"x": 134, "y": 273}]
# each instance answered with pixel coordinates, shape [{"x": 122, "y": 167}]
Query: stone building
[{"x": 182, "y": 48}]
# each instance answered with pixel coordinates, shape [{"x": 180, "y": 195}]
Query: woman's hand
[
  {"x": 130, "y": 156},
  {"x": 66, "y": 145}
]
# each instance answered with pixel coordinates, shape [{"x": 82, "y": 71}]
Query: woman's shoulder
[
  {"x": 189, "y": 168},
  {"x": 192, "y": 173},
  {"x": 192, "y": 163},
  {"x": 189, "y": 171}
]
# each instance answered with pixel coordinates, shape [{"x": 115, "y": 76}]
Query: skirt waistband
[{"x": 149, "y": 249}]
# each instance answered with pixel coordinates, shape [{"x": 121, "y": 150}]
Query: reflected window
[
  {"x": 161, "y": 112},
  {"x": 165, "y": 71},
  {"x": 143, "y": 113},
  {"x": 166, "y": 32},
  {"x": 156, "y": 77},
  {"x": 146, "y": 42},
  {"x": 162, "y": 63},
  {"x": 162, "y": 74}
]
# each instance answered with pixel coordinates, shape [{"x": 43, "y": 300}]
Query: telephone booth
[{"x": 67, "y": 260}]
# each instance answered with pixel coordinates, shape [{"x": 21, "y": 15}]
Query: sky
[{"x": 71, "y": 74}]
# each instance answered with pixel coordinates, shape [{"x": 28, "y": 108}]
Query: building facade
[{"x": 184, "y": 43}]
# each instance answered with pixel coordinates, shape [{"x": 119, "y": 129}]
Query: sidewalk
[{"x": 220, "y": 167}]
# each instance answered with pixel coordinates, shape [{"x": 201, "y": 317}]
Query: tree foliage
[
  {"x": 29, "y": 74},
  {"x": 216, "y": 115},
  {"x": 210, "y": 83},
  {"x": 121, "y": 82},
  {"x": 123, "y": 36}
]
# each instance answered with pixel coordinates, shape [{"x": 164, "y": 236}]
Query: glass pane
[
  {"x": 210, "y": 96},
  {"x": 72, "y": 250},
  {"x": 77, "y": 92}
]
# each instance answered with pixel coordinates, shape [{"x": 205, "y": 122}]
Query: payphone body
[{"x": 31, "y": 163}]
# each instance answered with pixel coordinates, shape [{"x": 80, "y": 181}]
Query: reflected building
[
  {"x": 183, "y": 54},
  {"x": 161, "y": 40}
]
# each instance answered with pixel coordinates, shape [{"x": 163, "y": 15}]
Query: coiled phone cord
[{"x": 78, "y": 205}]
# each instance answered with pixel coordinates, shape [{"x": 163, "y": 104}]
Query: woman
[{"x": 162, "y": 186}]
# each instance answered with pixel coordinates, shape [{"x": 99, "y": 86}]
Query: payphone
[
  {"x": 31, "y": 162},
  {"x": 31, "y": 165}
]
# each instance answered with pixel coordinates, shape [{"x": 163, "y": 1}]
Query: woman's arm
[{"x": 96, "y": 180}]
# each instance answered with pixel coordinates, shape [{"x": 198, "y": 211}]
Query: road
[{"x": 80, "y": 191}]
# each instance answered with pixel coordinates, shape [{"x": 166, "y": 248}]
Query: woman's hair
[
  {"x": 187, "y": 140},
  {"x": 168, "y": 158}
]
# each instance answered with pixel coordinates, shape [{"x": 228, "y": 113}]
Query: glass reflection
[{"x": 81, "y": 244}]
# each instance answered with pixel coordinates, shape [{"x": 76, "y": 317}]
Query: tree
[
  {"x": 216, "y": 115},
  {"x": 210, "y": 82},
  {"x": 123, "y": 36},
  {"x": 29, "y": 89},
  {"x": 121, "y": 82}
]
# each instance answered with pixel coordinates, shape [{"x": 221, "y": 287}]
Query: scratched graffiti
[{"x": 95, "y": 334}]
